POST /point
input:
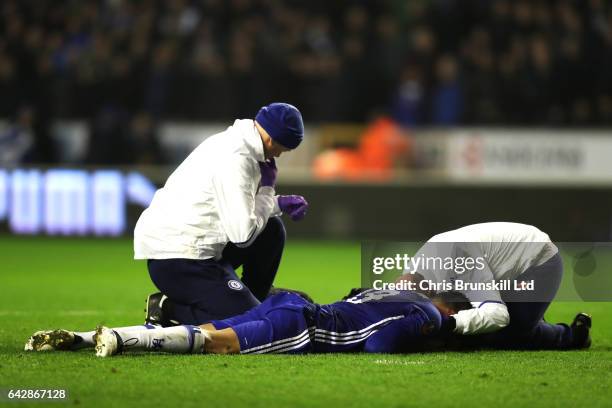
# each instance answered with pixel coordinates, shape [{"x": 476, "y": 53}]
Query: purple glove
[
  {"x": 268, "y": 173},
  {"x": 294, "y": 206}
]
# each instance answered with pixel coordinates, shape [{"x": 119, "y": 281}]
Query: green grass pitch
[{"x": 78, "y": 283}]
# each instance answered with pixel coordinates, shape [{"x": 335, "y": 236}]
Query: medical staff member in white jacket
[
  {"x": 218, "y": 210},
  {"x": 514, "y": 274}
]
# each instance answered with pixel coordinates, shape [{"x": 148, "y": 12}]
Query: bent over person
[
  {"x": 513, "y": 315},
  {"x": 218, "y": 210}
]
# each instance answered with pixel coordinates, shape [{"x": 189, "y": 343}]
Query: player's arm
[{"x": 243, "y": 211}]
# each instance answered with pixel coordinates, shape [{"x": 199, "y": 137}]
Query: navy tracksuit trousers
[{"x": 203, "y": 290}]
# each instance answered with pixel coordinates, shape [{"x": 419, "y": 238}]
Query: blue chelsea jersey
[{"x": 383, "y": 321}]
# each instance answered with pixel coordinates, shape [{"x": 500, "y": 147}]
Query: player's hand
[
  {"x": 294, "y": 206},
  {"x": 268, "y": 173}
]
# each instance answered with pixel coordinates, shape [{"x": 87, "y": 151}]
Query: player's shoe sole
[
  {"x": 107, "y": 343},
  {"x": 154, "y": 311},
  {"x": 50, "y": 340}
]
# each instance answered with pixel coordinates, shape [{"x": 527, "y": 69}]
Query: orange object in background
[
  {"x": 338, "y": 164},
  {"x": 382, "y": 147}
]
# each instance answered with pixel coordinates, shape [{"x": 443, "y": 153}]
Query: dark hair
[{"x": 455, "y": 300}]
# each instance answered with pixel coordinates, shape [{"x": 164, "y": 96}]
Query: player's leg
[
  {"x": 277, "y": 326},
  {"x": 284, "y": 327},
  {"x": 178, "y": 339},
  {"x": 283, "y": 331},
  {"x": 260, "y": 311},
  {"x": 67, "y": 340},
  {"x": 279, "y": 318},
  {"x": 199, "y": 291},
  {"x": 223, "y": 341},
  {"x": 261, "y": 259}
]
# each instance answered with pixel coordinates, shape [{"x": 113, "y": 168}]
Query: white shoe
[
  {"x": 106, "y": 342},
  {"x": 48, "y": 340}
]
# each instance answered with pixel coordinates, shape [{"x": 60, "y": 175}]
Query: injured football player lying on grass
[{"x": 375, "y": 321}]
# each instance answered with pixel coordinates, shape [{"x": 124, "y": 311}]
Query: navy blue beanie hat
[{"x": 283, "y": 122}]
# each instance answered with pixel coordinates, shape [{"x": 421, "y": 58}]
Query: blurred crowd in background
[{"x": 124, "y": 66}]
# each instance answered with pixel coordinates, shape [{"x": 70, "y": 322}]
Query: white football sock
[
  {"x": 178, "y": 339},
  {"x": 85, "y": 339}
]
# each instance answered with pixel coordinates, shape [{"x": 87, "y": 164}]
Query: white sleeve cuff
[
  {"x": 276, "y": 211},
  {"x": 487, "y": 317}
]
